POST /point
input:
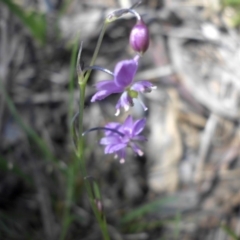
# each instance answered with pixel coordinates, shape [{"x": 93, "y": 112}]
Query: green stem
[
  {"x": 66, "y": 214},
  {"x": 95, "y": 54},
  {"x": 82, "y": 84},
  {"x": 81, "y": 163}
]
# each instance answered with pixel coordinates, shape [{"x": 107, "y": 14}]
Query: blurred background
[{"x": 187, "y": 184}]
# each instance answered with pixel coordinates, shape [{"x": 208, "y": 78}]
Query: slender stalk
[
  {"x": 71, "y": 84},
  {"x": 95, "y": 54},
  {"x": 70, "y": 173},
  {"x": 80, "y": 163},
  {"x": 66, "y": 214}
]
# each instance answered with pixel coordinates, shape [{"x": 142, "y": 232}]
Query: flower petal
[
  {"x": 139, "y": 138},
  {"x": 116, "y": 147},
  {"x": 105, "y": 88},
  {"x": 127, "y": 126},
  {"x": 110, "y": 140},
  {"x": 124, "y": 72},
  {"x": 143, "y": 86},
  {"x": 100, "y": 95},
  {"x": 125, "y": 101},
  {"x": 122, "y": 155},
  {"x": 107, "y": 149},
  {"x": 137, "y": 150},
  {"x": 108, "y": 85},
  {"x": 138, "y": 126},
  {"x": 112, "y": 125}
]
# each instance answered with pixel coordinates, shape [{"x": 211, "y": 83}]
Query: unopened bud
[{"x": 139, "y": 37}]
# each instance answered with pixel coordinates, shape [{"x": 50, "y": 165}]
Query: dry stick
[{"x": 205, "y": 145}]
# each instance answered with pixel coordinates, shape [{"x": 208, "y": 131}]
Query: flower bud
[{"x": 139, "y": 37}]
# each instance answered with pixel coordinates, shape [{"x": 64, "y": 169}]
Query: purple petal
[
  {"x": 100, "y": 95},
  {"x": 124, "y": 72},
  {"x": 112, "y": 125},
  {"x": 109, "y": 140},
  {"x": 122, "y": 155},
  {"x": 108, "y": 85},
  {"x": 116, "y": 147},
  {"x": 139, "y": 138},
  {"x": 105, "y": 88},
  {"x": 138, "y": 126},
  {"x": 136, "y": 149},
  {"x": 125, "y": 101},
  {"x": 143, "y": 86},
  {"x": 128, "y": 125},
  {"x": 107, "y": 149}
]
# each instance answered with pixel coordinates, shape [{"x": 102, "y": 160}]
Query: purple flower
[
  {"x": 122, "y": 136},
  {"x": 124, "y": 73}
]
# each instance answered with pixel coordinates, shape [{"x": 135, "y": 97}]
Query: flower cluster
[
  {"x": 124, "y": 135},
  {"x": 120, "y": 136}
]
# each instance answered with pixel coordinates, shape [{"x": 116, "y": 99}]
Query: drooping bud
[{"x": 139, "y": 37}]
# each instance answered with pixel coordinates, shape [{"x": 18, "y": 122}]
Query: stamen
[
  {"x": 117, "y": 112},
  {"x": 143, "y": 105},
  {"x": 126, "y": 108},
  {"x": 140, "y": 153},
  {"x": 122, "y": 160}
]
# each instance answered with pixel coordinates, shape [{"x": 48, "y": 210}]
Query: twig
[{"x": 205, "y": 145}]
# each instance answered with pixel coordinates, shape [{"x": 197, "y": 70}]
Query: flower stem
[
  {"x": 82, "y": 80},
  {"x": 95, "y": 54},
  {"x": 80, "y": 163}
]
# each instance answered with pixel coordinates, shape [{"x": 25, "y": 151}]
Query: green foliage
[
  {"x": 35, "y": 22},
  {"x": 230, "y": 232},
  {"x": 232, "y": 3},
  {"x": 145, "y": 209},
  {"x": 235, "y": 5},
  {"x": 140, "y": 226},
  {"x": 71, "y": 84}
]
